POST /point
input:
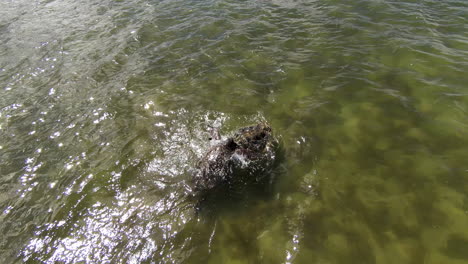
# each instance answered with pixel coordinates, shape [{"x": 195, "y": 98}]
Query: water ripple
[{"x": 105, "y": 106}]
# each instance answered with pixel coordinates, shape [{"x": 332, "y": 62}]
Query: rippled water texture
[{"x": 105, "y": 109}]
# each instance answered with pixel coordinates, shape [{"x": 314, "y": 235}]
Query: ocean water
[{"x": 106, "y": 107}]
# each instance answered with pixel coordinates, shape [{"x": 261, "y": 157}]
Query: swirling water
[{"x": 105, "y": 107}]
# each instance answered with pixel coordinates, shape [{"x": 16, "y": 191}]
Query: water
[{"x": 105, "y": 108}]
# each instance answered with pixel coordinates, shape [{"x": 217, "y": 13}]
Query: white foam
[{"x": 242, "y": 159}]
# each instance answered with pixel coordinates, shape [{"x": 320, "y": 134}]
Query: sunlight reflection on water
[
  {"x": 141, "y": 221},
  {"x": 106, "y": 108}
]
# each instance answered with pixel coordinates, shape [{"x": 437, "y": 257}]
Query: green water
[{"x": 105, "y": 108}]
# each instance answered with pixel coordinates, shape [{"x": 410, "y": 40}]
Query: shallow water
[{"x": 105, "y": 109}]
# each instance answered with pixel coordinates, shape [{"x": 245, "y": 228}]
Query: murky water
[{"x": 105, "y": 109}]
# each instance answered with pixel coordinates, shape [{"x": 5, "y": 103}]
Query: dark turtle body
[{"x": 240, "y": 158}]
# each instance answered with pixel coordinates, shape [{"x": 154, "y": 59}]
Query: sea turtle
[{"x": 241, "y": 158}]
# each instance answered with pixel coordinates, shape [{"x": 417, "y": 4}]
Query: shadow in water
[{"x": 245, "y": 188}]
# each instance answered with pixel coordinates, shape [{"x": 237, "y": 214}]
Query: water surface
[{"x": 105, "y": 109}]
